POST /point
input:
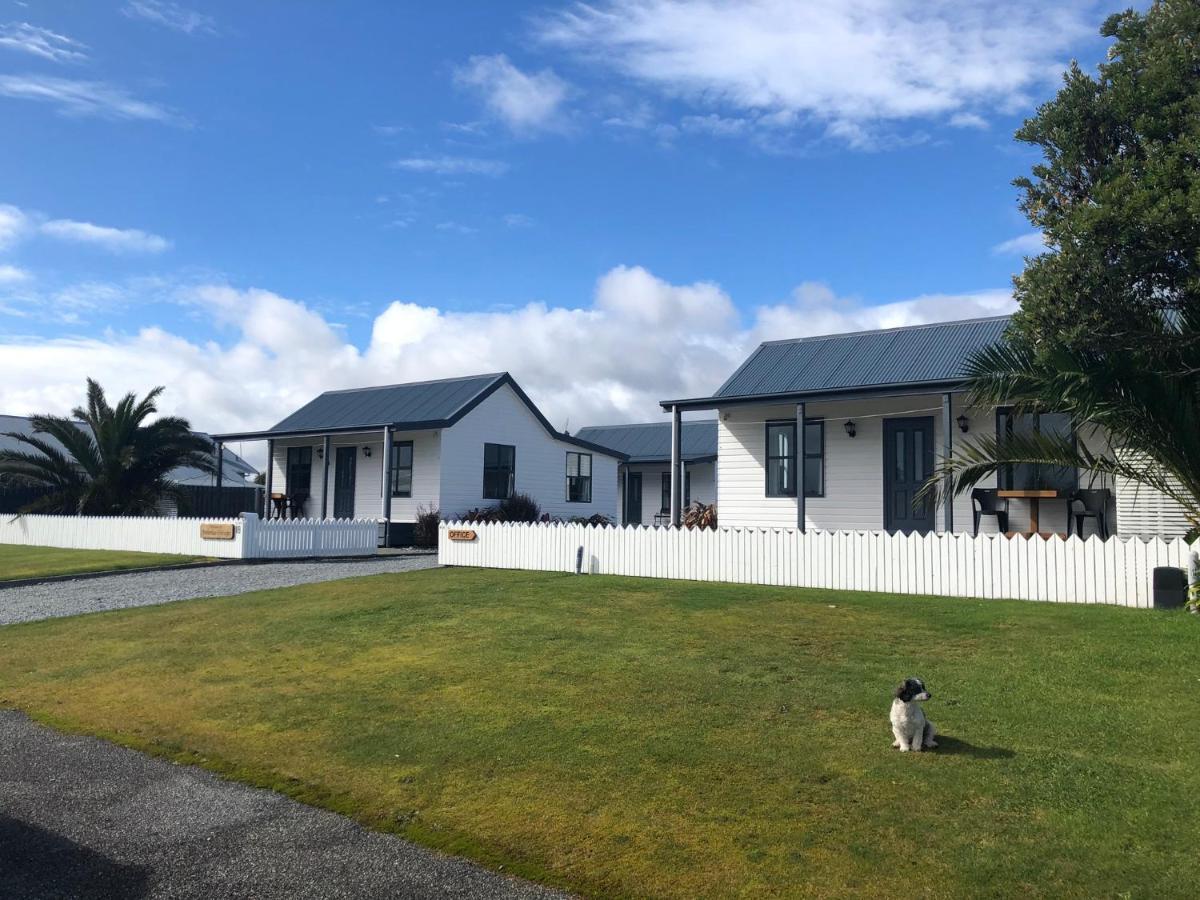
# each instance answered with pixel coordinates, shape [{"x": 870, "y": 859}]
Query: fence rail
[
  {"x": 1117, "y": 571},
  {"x": 252, "y": 537}
]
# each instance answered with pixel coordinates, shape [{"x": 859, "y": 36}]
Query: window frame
[
  {"x": 666, "y": 490},
  {"x": 1004, "y": 428},
  {"x": 288, "y": 466},
  {"x": 396, "y": 468},
  {"x": 570, "y": 477},
  {"x": 797, "y": 465},
  {"x": 511, "y": 469}
]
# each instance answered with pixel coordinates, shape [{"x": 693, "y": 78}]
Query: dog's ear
[{"x": 901, "y": 690}]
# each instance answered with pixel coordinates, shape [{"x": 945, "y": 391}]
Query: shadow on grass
[{"x": 952, "y": 746}]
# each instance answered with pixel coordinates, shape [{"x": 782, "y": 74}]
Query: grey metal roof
[
  {"x": 234, "y": 469},
  {"x": 416, "y": 403},
  {"x": 650, "y": 442},
  {"x": 895, "y": 356}
]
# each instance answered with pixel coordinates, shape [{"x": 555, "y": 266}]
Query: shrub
[
  {"x": 597, "y": 519},
  {"x": 482, "y": 515},
  {"x": 425, "y": 532},
  {"x": 519, "y": 508},
  {"x": 700, "y": 515}
]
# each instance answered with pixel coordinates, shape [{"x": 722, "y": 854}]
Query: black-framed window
[
  {"x": 499, "y": 471},
  {"x": 666, "y": 490},
  {"x": 781, "y": 458},
  {"x": 1034, "y": 476},
  {"x": 402, "y": 468},
  {"x": 579, "y": 477},
  {"x": 299, "y": 470}
]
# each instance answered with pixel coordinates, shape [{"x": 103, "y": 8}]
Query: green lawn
[
  {"x": 38, "y": 562},
  {"x": 645, "y": 738}
]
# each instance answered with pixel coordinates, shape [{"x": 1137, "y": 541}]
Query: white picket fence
[
  {"x": 253, "y": 538},
  {"x": 1117, "y": 571}
]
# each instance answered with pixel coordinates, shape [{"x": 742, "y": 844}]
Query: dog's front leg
[
  {"x": 930, "y": 734},
  {"x": 899, "y": 743},
  {"x": 917, "y": 740}
]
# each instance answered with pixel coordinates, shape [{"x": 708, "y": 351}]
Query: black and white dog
[{"x": 912, "y": 730}]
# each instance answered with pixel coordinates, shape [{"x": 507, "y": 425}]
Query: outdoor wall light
[
  {"x": 851, "y": 428},
  {"x": 367, "y": 452},
  {"x": 320, "y": 453},
  {"x": 963, "y": 422}
]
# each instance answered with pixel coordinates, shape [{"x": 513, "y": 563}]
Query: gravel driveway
[
  {"x": 82, "y": 818},
  {"x": 69, "y": 598}
]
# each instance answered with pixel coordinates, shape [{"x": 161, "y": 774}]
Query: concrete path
[
  {"x": 68, "y": 598},
  {"x": 82, "y": 818}
]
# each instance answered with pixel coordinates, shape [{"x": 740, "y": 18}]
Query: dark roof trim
[
  {"x": 666, "y": 460},
  {"x": 883, "y": 390},
  {"x": 427, "y": 425}
]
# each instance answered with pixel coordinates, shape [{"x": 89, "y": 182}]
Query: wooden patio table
[{"x": 1034, "y": 496}]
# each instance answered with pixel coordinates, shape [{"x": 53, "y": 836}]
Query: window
[
  {"x": 666, "y": 490},
  {"x": 1032, "y": 476},
  {"x": 299, "y": 470},
  {"x": 499, "y": 471},
  {"x": 579, "y": 477},
  {"x": 781, "y": 458},
  {"x": 402, "y": 466}
]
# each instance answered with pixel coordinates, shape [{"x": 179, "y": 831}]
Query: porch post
[
  {"x": 947, "y": 450},
  {"x": 800, "y": 466},
  {"x": 676, "y": 455},
  {"x": 220, "y": 468},
  {"x": 387, "y": 483},
  {"x": 325, "y": 448},
  {"x": 267, "y": 480}
]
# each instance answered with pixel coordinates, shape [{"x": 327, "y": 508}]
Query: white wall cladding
[
  {"x": 253, "y": 538},
  {"x": 704, "y": 487},
  {"x": 541, "y": 461},
  {"x": 1116, "y": 571}
]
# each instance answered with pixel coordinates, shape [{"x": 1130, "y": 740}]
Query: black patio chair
[
  {"x": 987, "y": 502},
  {"x": 1095, "y": 506}
]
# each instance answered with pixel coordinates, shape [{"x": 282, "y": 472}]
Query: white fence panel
[
  {"x": 253, "y": 538},
  {"x": 1118, "y": 571}
]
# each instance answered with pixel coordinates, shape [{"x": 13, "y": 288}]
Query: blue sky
[{"x": 250, "y": 202}]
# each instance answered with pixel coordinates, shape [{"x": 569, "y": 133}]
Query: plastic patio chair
[
  {"x": 1095, "y": 506},
  {"x": 987, "y": 502}
]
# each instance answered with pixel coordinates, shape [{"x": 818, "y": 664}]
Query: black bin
[{"x": 1170, "y": 587}]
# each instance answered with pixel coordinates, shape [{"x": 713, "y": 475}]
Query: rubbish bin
[{"x": 1170, "y": 587}]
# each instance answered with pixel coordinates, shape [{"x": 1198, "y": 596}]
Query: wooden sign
[
  {"x": 213, "y": 531},
  {"x": 460, "y": 534}
]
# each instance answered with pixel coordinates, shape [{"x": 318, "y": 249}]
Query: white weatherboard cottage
[
  {"x": 859, "y": 419},
  {"x": 644, "y": 478},
  {"x": 454, "y": 445}
]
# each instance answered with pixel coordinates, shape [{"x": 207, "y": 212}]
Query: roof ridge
[
  {"x": 893, "y": 330},
  {"x": 648, "y": 424},
  {"x": 383, "y": 387}
]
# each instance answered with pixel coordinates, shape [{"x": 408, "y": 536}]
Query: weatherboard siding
[
  {"x": 541, "y": 461},
  {"x": 704, "y": 487}
]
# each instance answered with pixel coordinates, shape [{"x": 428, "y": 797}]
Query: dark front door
[
  {"x": 343, "y": 482},
  {"x": 907, "y": 463},
  {"x": 633, "y": 498}
]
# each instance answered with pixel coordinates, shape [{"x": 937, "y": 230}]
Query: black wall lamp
[
  {"x": 367, "y": 452},
  {"x": 851, "y": 428},
  {"x": 963, "y": 422}
]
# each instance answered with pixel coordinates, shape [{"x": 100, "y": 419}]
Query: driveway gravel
[
  {"x": 82, "y": 818},
  {"x": 69, "y": 598}
]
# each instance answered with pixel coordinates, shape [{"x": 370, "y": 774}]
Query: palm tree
[
  {"x": 1137, "y": 410},
  {"x": 106, "y": 461}
]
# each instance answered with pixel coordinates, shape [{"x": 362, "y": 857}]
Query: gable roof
[
  {"x": 414, "y": 406},
  {"x": 234, "y": 469},
  {"x": 915, "y": 356},
  {"x": 650, "y": 442}
]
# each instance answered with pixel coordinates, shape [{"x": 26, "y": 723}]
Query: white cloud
[
  {"x": 84, "y": 98},
  {"x": 13, "y": 275},
  {"x": 455, "y": 228},
  {"x": 524, "y": 101},
  {"x": 518, "y": 220},
  {"x": 171, "y": 15},
  {"x": 640, "y": 340},
  {"x": 115, "y": 240},
  {"x": 848, "y": 66},
  {"x": 41, "y": 42},
  {"x": 13, "y": 224},
  {"x": 452, "y": 165},
  {"x": 969, "y": 120},
  {"x": 1030, "y": 244}
]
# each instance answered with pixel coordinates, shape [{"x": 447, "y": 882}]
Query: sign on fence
[{"x": 216, "y": 531}]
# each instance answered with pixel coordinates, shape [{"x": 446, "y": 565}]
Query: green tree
[
  {"x": 106, "y": 461},
  {"x": 1117, "y": 195},
  {"x": 1109, "y": 324}
]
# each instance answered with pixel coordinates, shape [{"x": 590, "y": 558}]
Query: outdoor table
[{"x": 1034, "y": 496}]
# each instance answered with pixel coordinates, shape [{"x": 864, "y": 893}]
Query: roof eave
[{"x": 851, "y": 393}]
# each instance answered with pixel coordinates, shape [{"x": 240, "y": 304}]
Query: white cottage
[
  {"x": 839, "y": 432},
  {"x": 644, "y": 477},
  {"x": 455, "y": 444}
]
